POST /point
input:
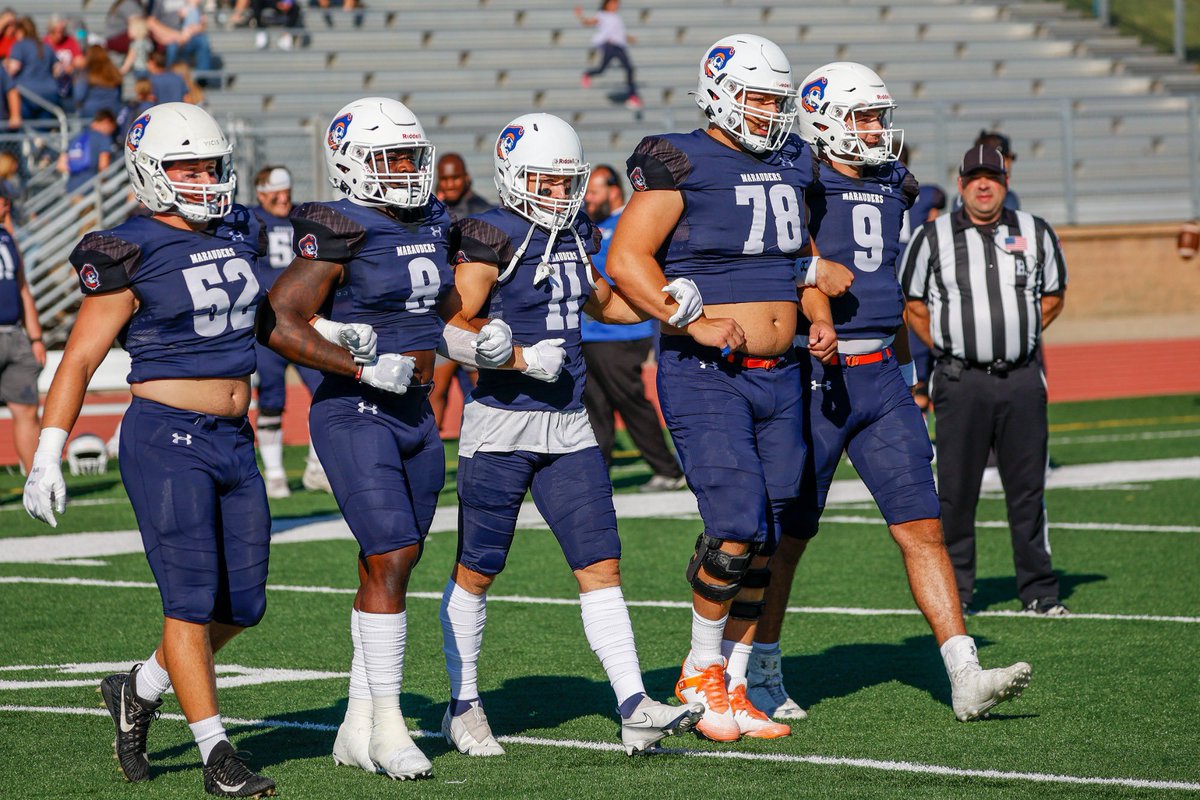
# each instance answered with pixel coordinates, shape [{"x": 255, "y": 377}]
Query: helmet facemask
[
  {"x": 737, "y": 121},
  {"x": 195, "y": 202},
  {"x": 537, "y": 204},
  {"x": 845, "y": 143},
  {"x": 382, "y": 185}
]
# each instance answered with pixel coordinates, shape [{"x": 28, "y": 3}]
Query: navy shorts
[
  {"x": 202, "y": 511},
  {"x": 737, "y": 433},
  {"x": 571, "y": 490},
  {"x": 384, "y": 460},
  {"x": 868, "y": 412},
  {"x": 272, "y": 384}
]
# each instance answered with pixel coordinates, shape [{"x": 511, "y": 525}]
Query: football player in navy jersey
[
  {"x": 526, "y": 430},
  {"x": 724, "y": 206},
  {"x": 273, "y": 185},
  {"x": 371, "y": 422},
  {"x": 861, "y": 404},
  {"x": 178, "y": 290}
]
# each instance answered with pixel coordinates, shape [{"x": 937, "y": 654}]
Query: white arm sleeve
[{"x": 459, "y": 345}]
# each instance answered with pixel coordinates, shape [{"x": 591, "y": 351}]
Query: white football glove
[
  {"x": 691, "y": 304},
  {"x": 390, "y": 372},
  {"x": 544, "y": 360},
  {"x": 357, "y": 337},
  {"x": 46, "y": 491},
  {"x": 493, "y": 345}
]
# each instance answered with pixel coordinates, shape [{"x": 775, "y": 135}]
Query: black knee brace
[
  {"x": 720, "y": 565},
  {"x": 269, "y": 419},
  {"x": 747, "y": 609}
]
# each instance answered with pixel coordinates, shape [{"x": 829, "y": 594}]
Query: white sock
[
  {"x": 766, "y": 648},
  {"x": 737, "y": 660},
  {"x": 463, "y": 616},
  {"x": 610, "y": 634},
  {"x": 706, "y": 643},
  {"x": 383, "y": 638},
  {"x": 152, "y": 680},
  {"x": 957, "y": 652},
  {"x": 312, "y": 460},
  {"x": 359, "y": 688},
  {"x": 270, "y": 447},
  {"x": 208, "y": 734}
]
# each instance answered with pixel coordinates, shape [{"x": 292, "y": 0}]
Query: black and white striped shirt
[{"x": 983, "y": 285}]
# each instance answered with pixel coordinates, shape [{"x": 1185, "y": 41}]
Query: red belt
[
  {"x": 869, "y": 358},
  {"x": 753, "y": 362}
]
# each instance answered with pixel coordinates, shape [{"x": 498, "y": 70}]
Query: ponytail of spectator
[{"x": 99, "y": 85}]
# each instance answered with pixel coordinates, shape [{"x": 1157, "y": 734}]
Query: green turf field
[{"x": 1114, "y": 694}]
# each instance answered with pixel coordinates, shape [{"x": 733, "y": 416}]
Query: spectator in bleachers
[
  {"x": 143, "y": 99},
  {"x": 10, "y": 107},
  {"x": 33, "y": 64},
  {"x": 169, "y": 86},
  {"x": 612, "y": 42},
  {"x": 8, "y": 31},
  {"x": 277, "y": 13},
  {"x": 121, "y": 14},
  {"x": 90, "y": 152},
  {"x": 98, "y": 85},
  {"x": 454, "y": 188},
  {"x": 10, "y": 187},
  {"x": 67, "y": 49},
  {"x": 140, "y": 46},
  {"x": 181, "y": 31},
  {"x": 349, "y": 6},
  {"x": 22, "y": 353}
]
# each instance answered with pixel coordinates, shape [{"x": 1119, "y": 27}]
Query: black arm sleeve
[
  {"x": 105, "y": 263},
  {"x": 911, "y": 189},
  {"x": 320, "y": 233},
  {"x": 657, "y": 164},
  {"x": 481, "y": 242}
]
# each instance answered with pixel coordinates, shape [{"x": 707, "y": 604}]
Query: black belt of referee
[{"x": 997, "y": 367}]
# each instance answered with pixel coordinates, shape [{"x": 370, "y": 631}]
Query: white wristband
[
  {"x": 808, "y": 267},
  {"x": 327, "y": 329},
  {"x": 52, "y": 441}
]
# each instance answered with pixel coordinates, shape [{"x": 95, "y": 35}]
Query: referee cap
[{"x": 982, "y": 158}]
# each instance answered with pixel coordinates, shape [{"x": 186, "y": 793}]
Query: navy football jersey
[
  {"x": 743, "y": 222},
  {"x": 397, "y": 270},
  {"x": 197, "y": 292},
  {"x": 279, "y": 248},
  {"x": 857, "y": 222},
  {"x": 550, "y": 309},
  {"x": 10, "y": 291}
]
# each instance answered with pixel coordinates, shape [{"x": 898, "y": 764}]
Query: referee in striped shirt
[{"x": 982, "y": 284}]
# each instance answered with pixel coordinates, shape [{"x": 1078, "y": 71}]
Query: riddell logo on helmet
[
  {"x": 717, "y": 58},
  {"x": 308, "y": 246},
  {"x": 90, "y": 277},
  {"x": 337, "y": 131},
  {"x": 508, "y": 140},
  {"x": 138, "y": 129}
]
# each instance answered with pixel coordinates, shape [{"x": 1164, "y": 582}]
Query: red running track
[{"x": 1073, "y": 372}]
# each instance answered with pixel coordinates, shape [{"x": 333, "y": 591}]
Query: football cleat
[
  {"x": 750, "y": 721},
  {"x": 470, "y": 733},
  {"x": 708, "y": 689},
  {"x": 315, "y": 479},
  {"x": 277, "y": 487},
  {"x": 766, "y": 692},
  {"x": 132, "y": 716},
  {"x": 352, "y": 747},
  {"x": 653, "y": 721},
  {"x": 975, "y": 691},
  {"x": 393, "y": 750},
  {"x": 225, "y": 775}
]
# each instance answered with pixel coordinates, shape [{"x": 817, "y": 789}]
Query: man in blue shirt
[
  {"x": 615, "y": 353},
  {"x": 22, "y": 354},
  {"x": 91, "y": 152}
]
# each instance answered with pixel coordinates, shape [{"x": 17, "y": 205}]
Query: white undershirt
[{"x": 501, "y": 430}]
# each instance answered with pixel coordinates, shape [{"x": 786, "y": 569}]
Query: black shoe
[
  {"x": 132, "y": 715},
  {"x": 967, "y": 611},
  {"x": 1047, "y": 607},
  {"x": 226, "y": 776}
]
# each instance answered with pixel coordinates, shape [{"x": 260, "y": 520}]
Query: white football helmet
[
  {"x": 179, "y": 132},
  {"x": 541, "y": 146},
  {"x": 831, "y": 98},
  {"x": 747, "y": 63},
  {"x": 86, "y": 455},
  {"x": 359, "y": 144}
]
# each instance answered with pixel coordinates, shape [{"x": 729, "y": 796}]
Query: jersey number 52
[{"x": 211, "y": 301}]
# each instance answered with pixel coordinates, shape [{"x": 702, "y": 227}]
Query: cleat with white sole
[
  {"x": 751, "y": 722},
  {"x": 653, "y": 721},
  {"x": 393, "y": 750},
  {"x": 766, "y": 692},
  {"x": 352, "y": 747},
  {"x": 708, "y": 689},
  {"x": 315, "y": 479},
  {"x": 975, "y": 691},
  {"x": 470, "y": 733},
  {"x": 277, "y": 487}
]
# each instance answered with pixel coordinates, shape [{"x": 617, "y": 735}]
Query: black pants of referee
[
  {"x": 614, "y": 383},
  {"x": 977, "y": 411}
]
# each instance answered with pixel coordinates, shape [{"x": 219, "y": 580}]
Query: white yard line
[
  {"x": 770, "y": 758},
  {"x": 1106, "y": 438},
  {"x": 682, "y": 504},
  {"x": 570, "y": 601}
]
